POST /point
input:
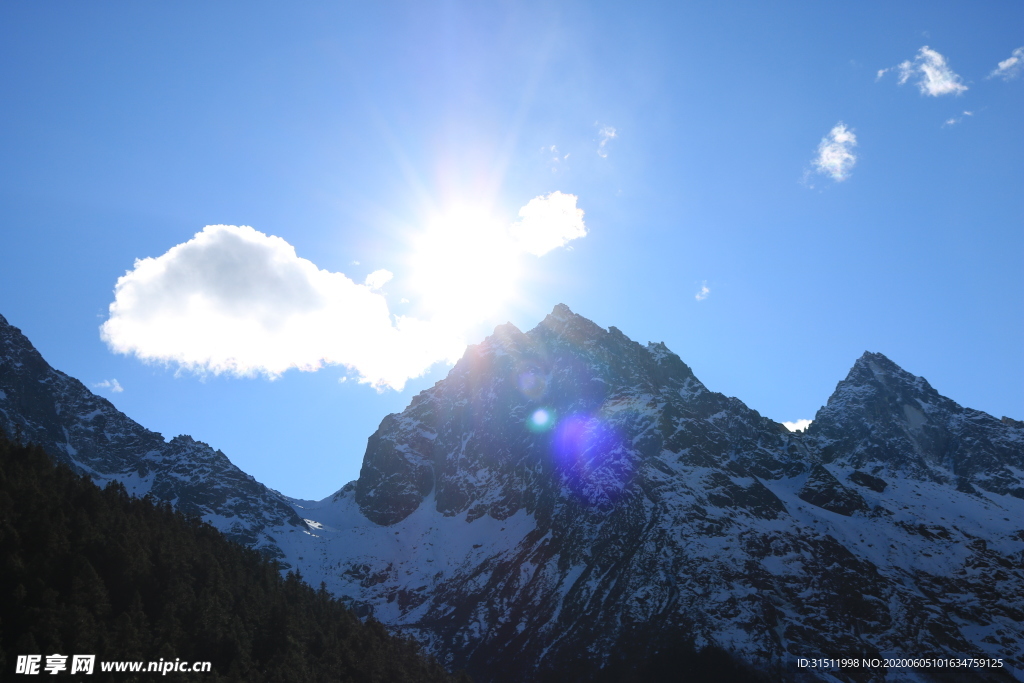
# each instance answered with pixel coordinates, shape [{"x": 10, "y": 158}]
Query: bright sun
[{"x": 464, "y": 265}]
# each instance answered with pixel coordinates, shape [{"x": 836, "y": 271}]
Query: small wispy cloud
[
  {"x": 934, "y": 77},
  {"x": 606, "y": 133},
  {"x": 556, "y": 158},
  {"x": 112, "y": 384},
  {"x": 797, "y": 426},
  {"x": 953, "y": 120},
  {"x": 703, "y": 292},
  {"x": 1011, "y": 67},
  {"x": 835, "y": 153}
]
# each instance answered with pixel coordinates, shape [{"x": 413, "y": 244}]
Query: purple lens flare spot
[{"x": 593, "y": 458}]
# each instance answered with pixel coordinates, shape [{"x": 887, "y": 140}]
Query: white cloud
[
  {"x": 548, "y": 222},
  {"x": 835, "y": 156},
  {"x": 703, "y": 293},
  {"x": 378, "y": 278},
  {"x": 797, "y": 426},
  {"x": 607, "y": 133},
  {"x": 934, "y": 75},
  {"x": 111, "y": 384},
  {"x": 234, "y": 300},
  {"x": 1011, "y": 67}
]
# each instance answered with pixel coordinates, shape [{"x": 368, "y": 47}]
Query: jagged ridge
[{"x": 85, "y": 431}]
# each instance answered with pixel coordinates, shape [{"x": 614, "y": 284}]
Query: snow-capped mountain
[{"x": 567, "y": 495}]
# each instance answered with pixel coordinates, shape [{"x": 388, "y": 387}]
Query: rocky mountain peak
[
  {"x": 19, "y": 357},
  {"x": 883, "y": 418},
  {"x": 876, "y": 369},
  {"x": 562, "y": 322},
  {"x": 492, "y": 436},
  {"x": 562, "y": 312},
  {"x": 879, "y": 394}
]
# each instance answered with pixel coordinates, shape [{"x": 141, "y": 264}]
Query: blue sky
[{"x": 689, "y": 134}]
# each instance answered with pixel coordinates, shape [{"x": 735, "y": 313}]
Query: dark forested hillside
[{"x": 96, "y": 571}]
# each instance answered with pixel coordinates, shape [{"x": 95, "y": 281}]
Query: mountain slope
[
  {"x": 47, "y": 407},
  {"x": 653, "y": 507}
]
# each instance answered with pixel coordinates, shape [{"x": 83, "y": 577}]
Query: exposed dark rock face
[
  {"x": 825, "y": 491},
  {"x": 876, "y": 484}
]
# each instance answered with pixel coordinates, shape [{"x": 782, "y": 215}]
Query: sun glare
[{"x": 464, "y": 265}]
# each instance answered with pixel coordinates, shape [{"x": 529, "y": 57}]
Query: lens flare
[
  {"x": 541, "y": 420},
  {"x": 593, "y": 458},
  {"x": 532, "y": 384}
]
